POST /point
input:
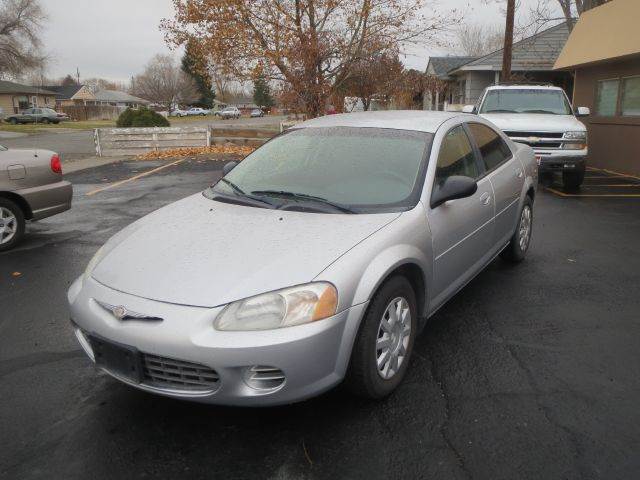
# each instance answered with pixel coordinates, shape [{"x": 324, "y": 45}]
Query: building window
[
  {"x": 630, "y": 103},
  {"x": 607, "y": 97}
]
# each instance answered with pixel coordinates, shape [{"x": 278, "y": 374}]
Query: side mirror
[
  {"x": 469, "y": 109},
  {"x": 454, "y": 187},
  {"x": 583, "y": 111},
  {"x": 228, "y": 167}
]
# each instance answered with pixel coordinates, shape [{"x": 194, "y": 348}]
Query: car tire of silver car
[
  {"x": 519, "y": 243},
  {"x": 572, "y": 180},
  {"x": 12, "y": 224},
  {"x": 383, "y": 347}
]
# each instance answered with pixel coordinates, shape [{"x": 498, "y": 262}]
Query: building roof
[
  {"x": 607, "y": 32},
  {"x": 535, "y": 53},
  {"x": 118, "y": 96},
  {"x": 440, "y": 66},
  {"x": 65, "y": 92},
  {"x": 418, "y": 120},
  {"x": 12, "y": 87}
]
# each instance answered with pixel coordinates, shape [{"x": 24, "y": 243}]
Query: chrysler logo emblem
[{"x": 122, "y": 313}]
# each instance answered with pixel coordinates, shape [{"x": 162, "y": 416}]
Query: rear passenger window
[
  {"x": 456, "y": 157},
  {"x": 493, "y": 149}
]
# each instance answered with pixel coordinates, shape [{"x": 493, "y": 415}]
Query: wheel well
[
  {"x": 415, "y": 275},
  {"x": 21, "y": 202},
  {"x": 531, "y": 193}
]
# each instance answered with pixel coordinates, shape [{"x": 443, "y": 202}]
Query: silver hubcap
[
  {"x": 8, "y": 225},
  {"x": 525, "y": 228},
  {"x": 394, "y": 333}
]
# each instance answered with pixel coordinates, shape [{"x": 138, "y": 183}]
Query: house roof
[
  {"x": 118, "y": 96},
  {"x": 535, "y": 53},
  {"x": 64, "y": 92},
  {"x": 12, "y": 87},
  {"x": 607, "y": 32},
  {"x": 440, "y": 66}
]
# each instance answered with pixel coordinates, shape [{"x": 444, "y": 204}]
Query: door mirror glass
[
  {"x": 228, "y": 167},
  {"x": 583, "y": 111},
  {"x": 452, "y": 188},
  {"x": 469, "y": 109}
]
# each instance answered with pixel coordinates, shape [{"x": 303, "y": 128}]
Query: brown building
[
  {"x": 15, "y": 97},
  {"x": 604, "y": 52}
]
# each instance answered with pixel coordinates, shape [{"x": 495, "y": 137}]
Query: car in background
[
  {"x": 31, "y": 188},
  {"x": 257, "y": 112},
  {"x": 316, "y": 260},
  {"x": 63, "y": 117},
  {"x": 230, "y": 112},
  {"x": 540, "y": 116},
  {"x": 34, "y": 115},
  {"x": 178, "y": 113},
  {"x": 197, "y": 111}
]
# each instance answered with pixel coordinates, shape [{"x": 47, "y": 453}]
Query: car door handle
[{"x": 485, "y": 198}]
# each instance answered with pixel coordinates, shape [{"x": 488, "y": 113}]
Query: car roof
[
  {"x": 523, "y": 87},
  {"x": 417, "y": 120}
]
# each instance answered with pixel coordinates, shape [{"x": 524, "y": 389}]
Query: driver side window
[{"x": 456, "y": 157}]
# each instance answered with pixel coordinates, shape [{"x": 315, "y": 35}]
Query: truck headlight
[
  {"x": 579, "y": 144},
  {"x": 282, "y": 308}
]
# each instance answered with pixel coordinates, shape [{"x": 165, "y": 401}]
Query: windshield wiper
[
  {"x": 539, "y": 111},
  {"x": 304, "y": 196},
  {"x": 499, "y": 110},
  {"x": 241, "y": 193}
]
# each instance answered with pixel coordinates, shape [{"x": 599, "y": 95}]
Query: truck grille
[
  {"x": 544, "y": 140},
  {"x": 169, "y": 374}
]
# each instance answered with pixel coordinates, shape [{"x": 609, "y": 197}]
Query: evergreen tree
[
  {"x": 193, "y": 65},
  {"x": 261, "y": 92}
]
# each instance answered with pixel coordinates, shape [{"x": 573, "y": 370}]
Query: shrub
[{"x": 141, "y": 118}]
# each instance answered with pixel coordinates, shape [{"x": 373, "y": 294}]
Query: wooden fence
[
  {"x": 92, "y": 112},
  {"x": 133, "y": 141}
]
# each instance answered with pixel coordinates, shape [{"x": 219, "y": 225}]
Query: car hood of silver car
[{"x": 202, "y": 252}]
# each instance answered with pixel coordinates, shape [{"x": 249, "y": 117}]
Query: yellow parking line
[
  {"x": 562, "y": 194},
  {"x": 611, "y": 172},
  {"x": 637, "y": 185},
  {"x": 135, "y": 177}
]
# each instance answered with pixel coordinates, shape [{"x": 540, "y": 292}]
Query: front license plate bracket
[{"x": 119, "y": 359}]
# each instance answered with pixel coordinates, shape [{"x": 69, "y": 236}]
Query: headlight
[
  {"x": 576, "y": 135},
  {"x": 282, "y": 308},
  {"x": 579, "y": 144},
  {"x": 93, "y": 262}
]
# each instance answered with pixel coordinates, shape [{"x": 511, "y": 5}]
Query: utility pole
[
  {"x": 508, "y": 41},
  {"x": 78, "y": 74}
]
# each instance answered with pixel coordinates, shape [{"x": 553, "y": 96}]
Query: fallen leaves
[{"x": 225, "y": 149}]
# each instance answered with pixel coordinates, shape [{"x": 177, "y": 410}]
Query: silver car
[
  {"x": 31, "y": 188},
  {"x": 316, "y": 260}
]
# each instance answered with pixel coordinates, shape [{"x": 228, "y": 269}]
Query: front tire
[
  {"x": 13, "y": 121},
  {"x": 519, "y": 243},
  {"x": 572, "y": 180},
  {"x": 12, "y": 224},
  {"x": 383, "y": 348}
]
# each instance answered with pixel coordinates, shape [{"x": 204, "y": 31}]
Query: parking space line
[
  {"x": 135, "y": 177},
  {"x": 563, "y": 194}
]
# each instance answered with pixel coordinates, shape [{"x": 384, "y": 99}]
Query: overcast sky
[{"x": 115, "y": 38}]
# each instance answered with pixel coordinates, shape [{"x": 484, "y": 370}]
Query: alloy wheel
[
  {"x": 8, "y": 225},
  {"x": 394, "y": 333},
  {"x": 524, "y": 234}
]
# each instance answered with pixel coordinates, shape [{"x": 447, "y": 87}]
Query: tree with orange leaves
[{"x": 309, "y": 45}]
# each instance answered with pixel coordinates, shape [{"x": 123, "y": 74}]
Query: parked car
[
  {"x": 540, "y": 116},
  {"x": 230, "y": 112},
  {"x": 63, "y": 117},
  {"x": 31, "y": 188},
  {"x": 317, "y": 259},
  {"x": 257, "y": 112},
  {"x": 178, "y": 113},
  {"x": 197, "y": 111},
  {"x": 34, "y": 115}
]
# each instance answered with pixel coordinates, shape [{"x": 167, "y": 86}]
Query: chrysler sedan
[{"x": 315, "y": 261}]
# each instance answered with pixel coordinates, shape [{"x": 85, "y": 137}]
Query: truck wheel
[
  {"x": 572, "y": 180},
  {"x": 382, "y": 350},
  {"x": 519, "y": 243},
  {"x": 12, "y": 224}
]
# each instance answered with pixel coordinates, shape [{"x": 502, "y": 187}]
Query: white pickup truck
[{"x": 540, "y": 116}]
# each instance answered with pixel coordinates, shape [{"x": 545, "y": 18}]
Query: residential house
[
  {"x": 116, "y": 98},
  {"x": 72, "y": 95},
  {"x": 604, "y": 52},
  {"x": 15, "y": 97},
  {"x": 244, "y": 104},
  {"x": 447, "y": 87},
  {"x": 533, "y": 59}
]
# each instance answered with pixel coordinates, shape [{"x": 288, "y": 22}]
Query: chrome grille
[
  {"x": 538, "y": 140},
  {"x": 535, "y": 134},
  {"x": 261, "y": 377},
  {"x": 171, "y": 374}
]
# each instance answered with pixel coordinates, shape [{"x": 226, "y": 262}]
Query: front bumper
[
  {"x": 313, "y": 357},
  {"x": 561, "y": 161}
]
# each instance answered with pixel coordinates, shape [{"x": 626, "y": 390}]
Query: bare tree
[
  {"x": 164, "y": 83},
  {"x": 476, "y": 40},
  {"x": 374, "y": 78},
  {"x": 20, "y": 44},
  {"x": 96, "y": 84},
  {"x": 546, "y": 11}
]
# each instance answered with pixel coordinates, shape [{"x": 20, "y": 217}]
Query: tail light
[{"x": 56, "y": 166}]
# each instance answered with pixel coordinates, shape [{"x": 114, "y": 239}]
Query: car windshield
[
  {"x": 355, "y": 170},
  {"x": 525, "y": 101}
]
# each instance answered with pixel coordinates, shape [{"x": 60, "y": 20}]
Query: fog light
[{"x": 264, "y": 378}]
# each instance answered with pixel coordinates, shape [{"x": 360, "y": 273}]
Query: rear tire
[
  {"x": 519, "y": 243},
  {"x": 13, "y": 121},
  {"x": 572, "y": 180},
  {"x": 12, "y": 224},
  {"x": 386, "y": 339},
  {"x": 44, "y": 121}
]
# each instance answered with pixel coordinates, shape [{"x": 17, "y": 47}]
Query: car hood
[
  {"x": 534, "y": 122},
  {"x": 201, "y": 252}
]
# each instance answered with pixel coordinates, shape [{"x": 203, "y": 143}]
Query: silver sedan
[{"x": 316, "y": 260}]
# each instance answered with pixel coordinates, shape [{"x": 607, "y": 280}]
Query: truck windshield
[{"x": 525, "y": 101}]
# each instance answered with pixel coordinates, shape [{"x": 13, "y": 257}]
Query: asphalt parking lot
[{"x": 531, "y": 371}]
